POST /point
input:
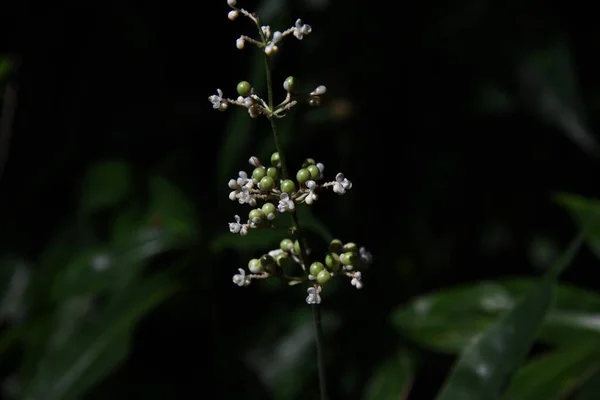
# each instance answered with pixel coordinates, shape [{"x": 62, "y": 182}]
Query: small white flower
[
  {"x": 235, "y": 227},
  {"x": 233, "y": 14},
  {"x": 341, "y": 184},
  {"x": 356, "y": 280},
  {"x": 313, "y": 296},
  {"x": 217, "y": 100},
  {"x": 266, "y": 30},
  {"x": 231, "y": 3},
  {"x": 365, "y": 255},
  {"x": 240, "y": 42},
  {"x": 242, "y": 178},
  {"x": 241, "y": 279},
  {"x": 321, "y": 169},
  {"x": 254, "y": 161},
  {"x": 271, "y": 49},
  {"x": 277, "y": 36},
  {"x": 276, "y": 252},
  {"x": 312, "y": 196},
  {"x": 301, "y": 29},
  {"x": 285, "y": 203}
]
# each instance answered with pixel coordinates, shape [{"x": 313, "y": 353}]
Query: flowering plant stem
[{"x": 316, "y": 310}]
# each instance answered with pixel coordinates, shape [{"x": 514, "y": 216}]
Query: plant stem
[{"x": 298, "y": 233}]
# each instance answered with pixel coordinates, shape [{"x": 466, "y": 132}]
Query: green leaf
[
  {"x": 393, "y": 379},
  {"x": 105, "y": 185},
  {"x": 553, "y": 376},
  {"x": 487, "y": 363},
  {"x": 171, "y": 209},
  {"x": 447, "y": 320},
  {"x": 586, "y": 213},
  {"x": 590, "y": 389},
  {"x": 85, "y": 345}
]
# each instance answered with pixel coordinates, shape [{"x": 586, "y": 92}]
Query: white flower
[
  {"x": 312, "y": 196},
  {"x": 235, "y": 227},
  {"x": 271, "y": 49},
  {"x": 285, "y": 203},
  {"x": 365, "y": 255},
  {"x": 241, "y": 279},
  {"x": 217, "y": 100},
  {"x": 254, "y": 161},
  {"x": 276, "y": 252},
  {"x": 266, "y": 30},
  {"x": 231, "y": 3},
  {"x": 244, "y": 196},
  {"x": 242, "y": 178},
  {"x": 321, "y": 169},
  {"x": 301, "y": 29},
  {"x": 356, "y": 280},
  {"x": 320, "y": 90},
  {"x": 341, "y": 184},
  {"x": 313, "y": 296}
]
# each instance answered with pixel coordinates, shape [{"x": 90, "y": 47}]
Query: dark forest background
[{"x": 457, "y": 122}]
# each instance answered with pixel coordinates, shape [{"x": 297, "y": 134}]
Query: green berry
[
  {"x": 315, "y": 268},
  {"x": 335, "y": 246},
  {"x": 332, "y": 261},
  {"x": 350, "y": 247},
  {"x": 288, "y": 186},
  {"x": 273, "y": 172},
  {"x": 303, "y": 175},
  {"x": 315, "y": 172},
  {"x": 348, "y": 258},
  {"x": 268, "y": 208},
  {"x": 307, "y": 162},
  {"x": 256, "y": 215},
  {"x": 323, "y": 277},
  {"x": 244, "y": 88},
  {"x": 283, "y": 260},
  {"x": 255, "y": 266},
  {"x": 297, "y": 247},
  {"x": 286, "y": 245},
  {"x": 259, "y": 173},
  {"x": 267, "y": 261},
  {"x": 276, "y": 160},
  {"x": 290, "y": 84},
  {"x": 266, "y": 183}
]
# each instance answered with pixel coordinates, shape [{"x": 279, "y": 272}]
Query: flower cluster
[
  {"x": 271, "y": 191},
  {"x": 278, "y": 195},
  {"x": 342, "y": 259}
]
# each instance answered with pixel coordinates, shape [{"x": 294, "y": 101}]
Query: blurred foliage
[{"x": 470, "y": 138}]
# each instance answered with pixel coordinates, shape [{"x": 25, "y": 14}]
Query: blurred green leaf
[
  {"x": 86, "y": 344},
  {"x": 14, "y": 279},
  {"x": 590, "y": 389},
  {"x": 487, "y": 363},
  {"x": 586, "y": 213},
  {"x": 393, "y": 379},
  {"x": 553, "y": 376},
  {"x": 105, "y": 184},
  {"x": 171, "y": 209},
  {"x": 447, "y": 320}
]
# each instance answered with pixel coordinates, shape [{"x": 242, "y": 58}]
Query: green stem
[{"x": 298, "y": 233}]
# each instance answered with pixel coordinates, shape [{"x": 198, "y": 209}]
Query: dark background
[{"x": 455, "y": 121}]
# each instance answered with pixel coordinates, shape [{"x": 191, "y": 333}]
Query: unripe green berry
[
  {"x": 323, "y": 277},
  {"x": 307, "y": 162},
  {"x": 244, "y": 88},
  {"x": 335, "y": 246},
  {"x": 297, "y": 247},
  {"x": 350, "y": 246},
  {"x": 255, "y": 266},
  {"x": 332, "y": 261},
  {"x": 276, "y": 160},
  {"x": 256, "y": 215},
  {"x": 266, "y": 183},
  {"x": 286, "y": 245},
  {"x": 302, "y": 175},
  {"x": 283, "y": 260},
  {"x": 273, "y": 172},
  {"x": 348, "y": 258},
  {"x": 290, "y": 84},
  {"x": 259, "y": 173},
  {"x": 267, "y": 260},
  {"x": 315, "y": 172},
  {"x": 288, "y": 186},
  {"x": 315, "y": 268},
  {"x": 268, "y": 208}
]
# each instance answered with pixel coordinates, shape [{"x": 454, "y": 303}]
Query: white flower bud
[
  {"x": 254, "y": 161},
  {"x": 233, "y": 14},
  {"x": 240, "y": 43},
  {"x": 319, "y": 91},
  {"x": 231, "y": 3}
]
